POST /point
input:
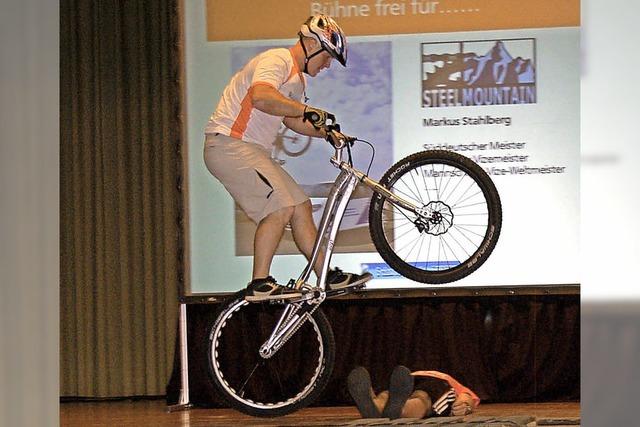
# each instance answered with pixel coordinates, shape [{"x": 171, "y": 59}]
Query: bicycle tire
[
  {"x": 465, "y": 247},
  {"x": 290, "y": 380}
]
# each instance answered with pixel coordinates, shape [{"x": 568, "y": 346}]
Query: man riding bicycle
[{"x": 264, "y": 94}]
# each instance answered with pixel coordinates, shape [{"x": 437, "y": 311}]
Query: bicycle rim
[
  {"x": 461, "y": 220},
  {"x": 277, "y": 385}
]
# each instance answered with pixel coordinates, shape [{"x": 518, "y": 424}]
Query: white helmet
[{"x": 330, "y": 36}]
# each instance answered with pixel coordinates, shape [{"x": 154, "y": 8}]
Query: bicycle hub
[{"x": 435, "y": 218}]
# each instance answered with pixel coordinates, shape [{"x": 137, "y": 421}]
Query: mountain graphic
[{"x": 495, "y": 68}]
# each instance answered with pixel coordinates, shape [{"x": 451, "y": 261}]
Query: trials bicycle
[{"x": 435, "y": 217}]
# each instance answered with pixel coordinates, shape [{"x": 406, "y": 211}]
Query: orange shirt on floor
[{"x": 457, "y": 387}]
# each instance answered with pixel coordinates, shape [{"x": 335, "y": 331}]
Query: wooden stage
[{"x": 154, "y": 413}]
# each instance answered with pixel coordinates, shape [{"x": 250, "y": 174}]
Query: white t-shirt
[{"x": 235, "y": 115}]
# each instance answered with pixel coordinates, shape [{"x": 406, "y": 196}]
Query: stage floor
[{"x": 154, "y": 413}]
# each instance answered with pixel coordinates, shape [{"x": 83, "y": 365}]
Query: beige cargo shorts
[{"x": 256, "y": 182}]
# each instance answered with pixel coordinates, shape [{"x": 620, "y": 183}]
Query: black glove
[{"x": 318, "y": 118}]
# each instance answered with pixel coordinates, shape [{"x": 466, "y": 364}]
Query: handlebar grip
[{"x": 332, "y": 127}]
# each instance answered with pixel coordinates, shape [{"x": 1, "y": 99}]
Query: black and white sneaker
[
  {"x": 267, "y": 288},
  {"x": 337, "y": 279}
]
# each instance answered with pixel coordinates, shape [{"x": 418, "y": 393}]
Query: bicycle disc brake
[{"x": 434, "y": 218}]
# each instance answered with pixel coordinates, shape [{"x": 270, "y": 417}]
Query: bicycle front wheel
[
  {"x": 459, "y": 222},
  {"x": 289, "y": 380}
]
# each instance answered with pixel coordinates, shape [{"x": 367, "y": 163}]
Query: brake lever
[{"x": 349, "y": 140}]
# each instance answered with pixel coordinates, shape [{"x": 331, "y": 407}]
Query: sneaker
[
  {"x": 337, "y": 279},
  {"x": 400, "y": 388},
  {"x": 267, "y": 289},
  {"x": 359, "y": 385}
]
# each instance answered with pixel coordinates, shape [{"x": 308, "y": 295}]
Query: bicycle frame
[{"x": 295, "y": 314}]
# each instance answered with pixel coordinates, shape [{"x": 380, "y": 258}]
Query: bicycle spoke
[
  {"x": 447, "y": 185},
  {"x": 402, "y": 249},
  {"x": 439, "y": 250},
  {"x": 454, "y": 188},
  {"x": 244, "y": 384},
  {"x": 403, "y": 225},
  {"x": 467, "y": 198},
  {"x": 426, "y": 187},
  {"x": 471, "y": 205},
  {"x": 420, "y": 250},
  {"x": 460, "y": 245},
  {"x": 412, "y": 198},
  {"x": 417, "y": 240},
  {"x": 417, "y": 188},
  {"x": 458, "y": 227},
  {"x": 276, "y": 373},
  {"x": 429, "y": 250},
  {"x": 403, "y": 234},
  {"x": 401, "y": 212},
  {"x": 440, "y": 185},
  {"x": 464, "y": 193},
  {"x": 444, "y": 241},
  {"x": 435, "y": 182}
]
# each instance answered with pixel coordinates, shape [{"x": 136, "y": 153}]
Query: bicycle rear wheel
[
  {"x": 460, "y": 221},
  {"x": 289, "y": 380}
]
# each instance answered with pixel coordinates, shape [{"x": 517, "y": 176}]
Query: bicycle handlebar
[
  {"x": 339, "y": 141},
  {"x": 336, "y": 138}
]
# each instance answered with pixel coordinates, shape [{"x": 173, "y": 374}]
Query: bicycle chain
[
  {"x": 295, "y": 329},
  {"x": 316, "y": 304}
]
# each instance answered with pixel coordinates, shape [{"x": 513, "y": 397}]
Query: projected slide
[{"x": 503, "y": 92}]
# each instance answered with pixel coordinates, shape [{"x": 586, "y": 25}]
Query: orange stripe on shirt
[{"x": 246, "y": 107}]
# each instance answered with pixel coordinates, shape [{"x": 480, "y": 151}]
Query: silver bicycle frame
[{"x": 337, "y": 201}]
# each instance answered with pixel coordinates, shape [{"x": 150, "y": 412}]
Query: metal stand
[{"x": 183, "y": 401}]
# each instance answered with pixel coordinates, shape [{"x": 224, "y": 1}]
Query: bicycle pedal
[
  {"x": 345, "y": 291},
  {"x": 280, "y": 301},
  {"x": 307, "y": 295}
]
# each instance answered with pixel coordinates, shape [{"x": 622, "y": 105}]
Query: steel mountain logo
[{"x": 472, "y": 73}]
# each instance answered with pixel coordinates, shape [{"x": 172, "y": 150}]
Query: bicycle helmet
[{"x": 330, "y": 36}]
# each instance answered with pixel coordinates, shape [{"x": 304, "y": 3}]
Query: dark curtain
[
  {"x": 120, "y": 203},
  {"x": 506, "y": 349}
]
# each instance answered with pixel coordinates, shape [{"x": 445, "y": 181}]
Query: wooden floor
[{"x": 154, "y": 413}]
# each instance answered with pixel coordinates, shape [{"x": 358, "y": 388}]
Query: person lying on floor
[{"x": 421, "y": 394}]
